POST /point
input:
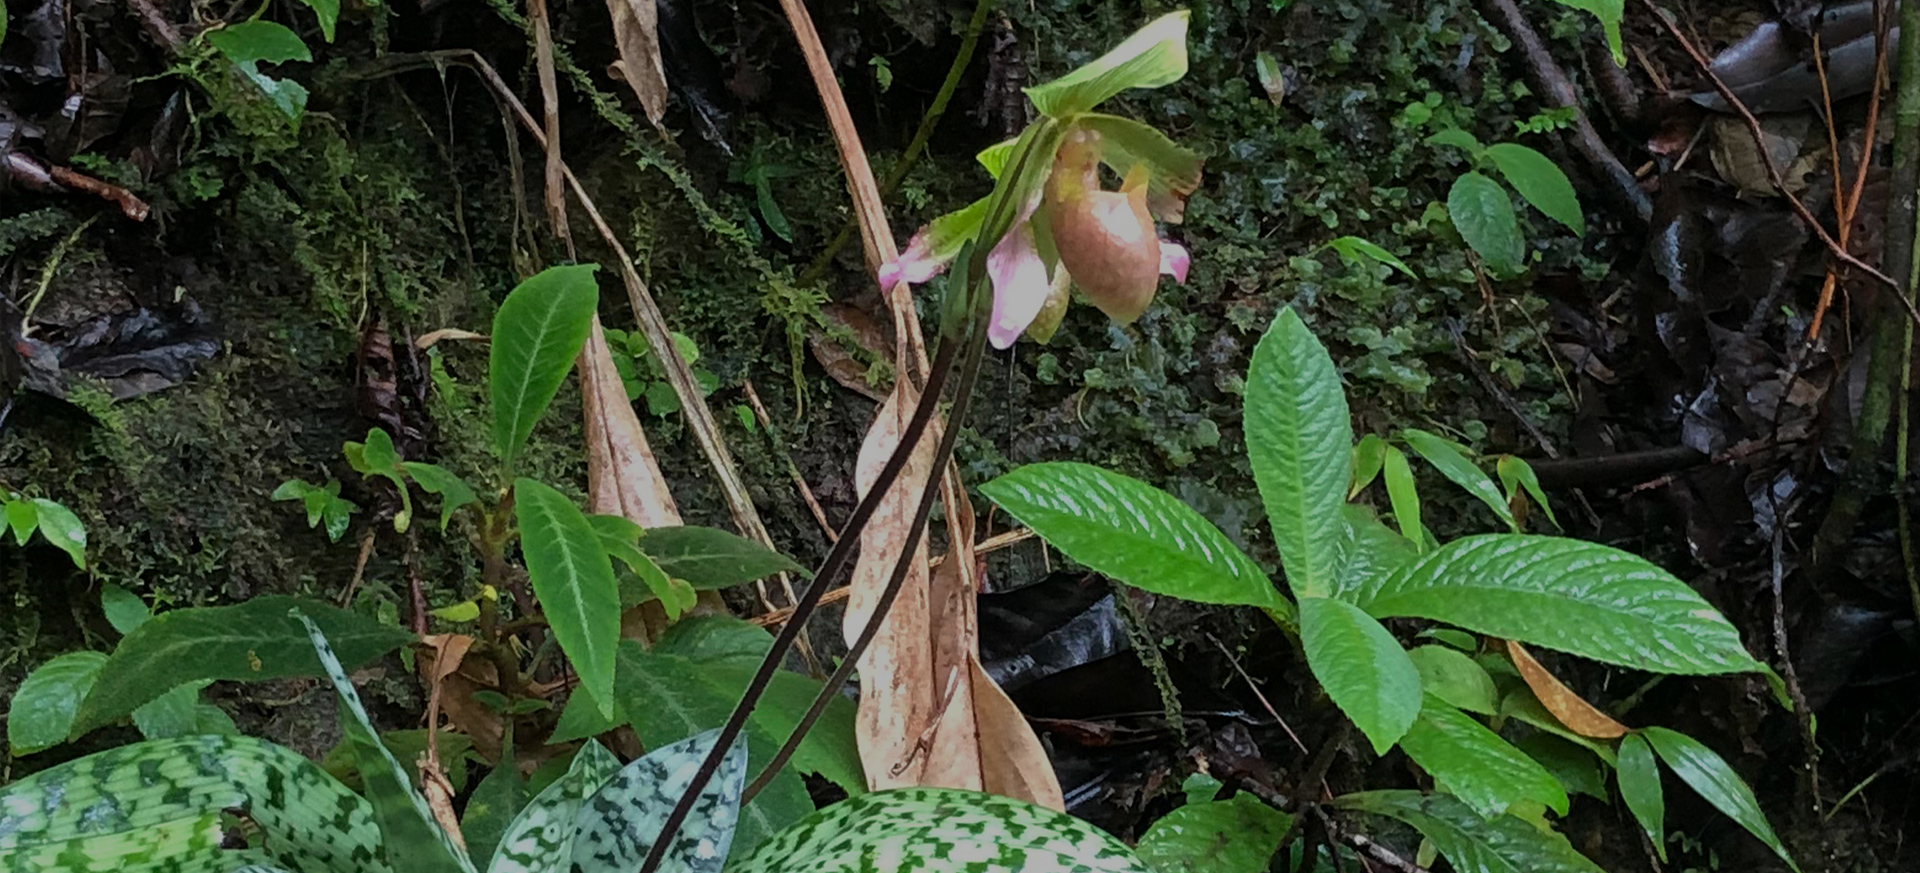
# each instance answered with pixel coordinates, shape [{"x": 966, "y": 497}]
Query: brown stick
[{"x": 556, "y": 198}]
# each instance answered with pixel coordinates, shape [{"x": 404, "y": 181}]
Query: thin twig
[{"x": 1802, "y": 714}]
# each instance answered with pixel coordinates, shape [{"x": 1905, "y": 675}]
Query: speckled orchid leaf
[
  {"x": 540, "y": 839},
  {"x": 618, "y": 824},
  {"x": 940, "y": 830},
  {"x": 155, "y": 807},
  {"x": 260, "y": 868},
  {"x": 413, "y": 842}
]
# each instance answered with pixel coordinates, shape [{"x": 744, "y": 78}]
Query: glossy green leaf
[
  {"x": 40, "y": 715},
  {"x": 1564, "y": 594},
  {"x": 1515, "y": 471},
  {"x": 124, "y": 610},
  {"x": 1452, "y": 676},
  {"x": 22, "y": 519},
  {"x": 573, "y": 578},
  {"x": 1404, "y": 495},
  {"x": 1639, "y": 778},
  {"x": 1713, "y": 778},
  {"x": 939, "y": 829},
  {"x": 1540, "y": 182},
  {"x": 1369, "y": 454},
  {"x": 1459, "y": 139},
  {"x": 1373, "y": 552},
  {"x": 259, "y": 42},
  {"x": 537, "y": 333},
  {"x": 709, "y": 558},
  {"x": 434, "y": 479},
  {"x": 1362, "y": 668},
  {"x": 1355, "y": 250},
  {"x": 1472, "y": 844},
  {"x": 249, "y": 641},
  {"x": 1475, "y": 764},
  {"x": 1133, "y": 532},
  {"x": 173, "y": 714},
  {"x": 1153, "y": 56},
  {"x": 540, "y": 838},
  {"x": 619, "y": 822},
  {"x": 1238, "y": 835},
  {"x": 59, "y": 526},
  {"x": 1483, "y": 213},
  {"x": 1452, "y": 461},
  {"x": 1299, "y": 441}
]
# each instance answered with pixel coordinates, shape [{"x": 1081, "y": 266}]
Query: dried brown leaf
[
  {"x": 1012, "y": 761},
  {"x": 635, "y": 31},
  {"x": 1571, "y": 709}
]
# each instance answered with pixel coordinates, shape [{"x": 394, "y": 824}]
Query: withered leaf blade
[
  {"x": 636, "y": 31},
  {"x": 1571, "y": 709}
]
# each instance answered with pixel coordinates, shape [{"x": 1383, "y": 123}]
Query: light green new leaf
[
  {"x": 40, "y": 715},
  {"x": 22, "y": 519},
  {"x": 1404, "y": 495},
  {"x": 537, "y": 333},
  {"x": 1369, "y": 454},
  {"x": 619, "y": 823},
  {"x": 710, "y": 558},
  {"x": 1483, "y": 213},
  {"x": 1300, "y": 442},
  {"x": 1452, "y": 676},
  {"x": 1153, "y": 56},
  {"x": 1362, "y": 668},
  {"x": 1475, "y": 764},
  {"x": 540, "y": 838},
  {"x": 939, "y": 829},
  {"x": 1516, "y": 471},
  {"x": 1472, "y": 844},
  {"x": 1133, "y": 532},
  {"x": 1353, "y": 250},
  {"x": 1572, "y": 596},
  {"x": 59, "y": 526},
  {"x": 249, "y": 641},
  {"x": 1709, "y": 774},
  {"x": 573, "y": 578},
  {"x": 434, "y": 479},
  {"x": 125, "y": 610},
  {"x": 1639, "y": 777},
  {"x": 1238, "y": 835},
  {"x": 1538, "y": 180},
  {"x": 1451, "y": 460}
]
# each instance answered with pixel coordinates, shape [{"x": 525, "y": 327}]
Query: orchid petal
[
  {"x": 1020, "y": 286},
  {"x": 915, "y": 265},
  {"x": 1174, "y": 260}
]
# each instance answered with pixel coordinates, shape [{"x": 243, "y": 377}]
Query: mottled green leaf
[
  {"x": 1540, "y": 182},
  {"x": 709, "y": 558},
  {"x": 540, "y": 839},
  {"x": 1475, "y": 764},
  {"x": 1455, "y": 678},
  {"x": 1362, "y": 668},
  {"x": 495, "y": 802},
  {"x": 1153, "y": 56},
  {"x": 537, "y": 333},
  {"x": 1452, "y": 462},
  {"x": 1483, "y": 213},
  {"x": 1709, "y": 774},
  {"x": 1238, "y": 835},
  {"x": 40, "y": 715},
  {"x": 1639, "y": 778},
  {"x": 1300, "y": 443},
  {"x": 619, "y": 822},
  {"x": 1502, "y": 844},
  {"x": 574, "y": 580}
]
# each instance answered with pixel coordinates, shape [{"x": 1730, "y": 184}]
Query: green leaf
[
  {"x": 1299, "y": 440},
  {"x": 1516, "y": 471},
  {"x": 1373, "y": 552},
  {"x": 286, "y": 95},
  {"x": 1405, "y": 497},
  {"x": 1459, "y": 139},
  {"x": 40, "y": 715},
  {"x": 59, "y": 526},
  {"x": 937, "y": 830},
  {"x": 328, "y": 11},
  {"x": 1455, "y": 678},
  {"x": 1711, "y": 776},
  {"x": 537, "y": 333},
  {"x": 540, "y": 839},
  {"x": 1472, "y": 844},
  {"x": 258, "y": 42},
  {"x": 1362, "y": 668},
  {"x": 22, "y": 519},
  {"x": 249, "y": 641},
  {"x": 620, "y": 821},
  {"x": 1451, "y": 460},
  {"x": 1368, "y": 456},
  {"x": 994, "y": 159},
  {"x": 1522, "y": 706},
  {"x": 465, "y": 610},
  {"x": 1153, "y": 56},
  {"x": 574, "y": 580},
  {"x": 337, "y": 513},
  {"x": 1639, "y": 778},
  {"x": 173, "y": 714},
  {"x": 1609, "y": 12},
  {"x": 1540, "y": 182},
  {"x": 1475, "y": 764},
  {"x": 1483, "y": 213},
  {"x": 1173, "y": 171},
  {"x": 1133, "y": 532},
  {"x": 581, "y": 718},
  {"x": 1354, "y": 250},
  {"x": 1239, "y": 835},
  {"x": 3, "y": 22},
  {"x": 709, "y": 558},
  {"x": 125, "y": 610},
  {"x": 1573, "y": 596},
  {"x": 1577, "y": 768},
  {"x": 434, "y": 479}
]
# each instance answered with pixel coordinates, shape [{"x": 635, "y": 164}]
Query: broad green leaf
[
  {"x": 22, "y": 519},
  {"x": 1368, "y": 456},
  {"x": 1709, "y": 774},
  {"x": 40, "y": 715},
  {"x": 1354, "y": 250},
  {"x": 156, "y": 807},
  {"x": 1404, "y": 495},
  {"x": 258, "y": 42},
  {"x": 619, "y": 822},
  {"x": 1451, "y": 460},
  {"x": 540, "y": 838},
  {"x": 1299, "y": 440},
  {"x": 1238, "y": 835},
  {"x": 1373, "y": 552},
  {"x": 411, "y": 839},
  {"x": 1639, "y": 778},
  {"x": 173, "y": 714},
  {"x": 1153, "y": 56},
  {"x": 1362, "y": 668},
  {"x": 1472, "y": 844},
  {"x": 1516, "y": 471},
  {"x": 1459, "y": 680},
  {"x": 1201, "y": 788},
  {"x": 1483, "y": 213},
  {"x": 620, "y": 536},
  {"x": 377, "y": 454},
  {"x": 1475, "y": 764},
  {"x": 1459, "y": 139},
  {"x": 434, "y": 479},
  {"x": 934, "y": 829},
  {"x": 328, "y": 11},
  {"x": 125, "y": 610},
  {"x": 59, "y": 526},
  {"x": 1577, "y": 597},
  {"x": 1173, "y": 171},
  {"x": 1540, "y": 182},
  {"x": 1577, "y": 768},
  {"x": 581, "y": 718},
  {"x": 709, "y": 558},
  {"x": 537, "y": 333},
  {"x": 573, "y": 578},
  {"x": 1133, "y": 532},
  {"x": 249, "y": 641}
]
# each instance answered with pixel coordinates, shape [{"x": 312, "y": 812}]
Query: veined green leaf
[
  {"x": 1483, "y": 213},
  {"x": 1238, "y": 835},
  {"x": 40, "y": 715},
  {"x": 1709, "y": 774},
  {"x": 1577, "y": 768},
  {"x": 620, "y": 536},
  {"x": 1368, "y": 456},
  {"x": 712, "y": 558},
  {"x": 1452, "y": 676},
  {"x": 1404, "y": 495},
  {"x": 1639, "y": 778},
  {"x": 434, "y": 479},
  {"x": 1153, "y": 56},
  {"x": 173, "y": 714},
  {"x": 1475, "y": 764},
  {"x": 574, "y": 580},
  {"x": 1522, "y": 706},
  {"x": 1373, "y": 550},
  {"x": 1451, "y": 460},
  {"x": 60, "y": 527},
  {"x": 619, "y": 822},
  {"x": 1299, "y": 440},
  {"x": 249, "y": 641},
  {"x": 540, "y": 839},
  {"x": 1540, "y": 182},
  {"x": 1132, "y": 531},
  {"x": 537, "y": 333},
  {"x": 1502, "y": 844},
  {"x": 938, "y": 829},
  {"x": 1564, "y": 594},
  {"x": 1362, "y": 668}
]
